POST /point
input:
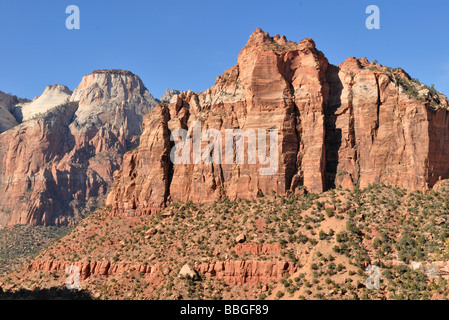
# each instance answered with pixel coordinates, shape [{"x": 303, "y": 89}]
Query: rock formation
[
  {"x": 7, "y": 107},
  {"x": 168, "y": 95},
  {"x": 56, "y": 165},
  {"x": 86, "y": 269},
  {"x": 349, "y": 125},
  {"x": 52, "y": 97},
  {"x": 232, "y": 272},
  {"x": 382, "y": 126},
  {"x": 239, "y": 272}
]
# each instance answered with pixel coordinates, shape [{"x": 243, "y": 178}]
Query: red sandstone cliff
[
  {"x": 58, "y": 164},
  {"x": 377, "y": 131},
  {"x": 232, "y": 272},
  {"x": 7, "y": 108},
  {"x": 353, "y": 124}
]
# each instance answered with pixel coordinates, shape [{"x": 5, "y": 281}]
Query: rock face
[
  {"x": 232, "y": 272},
  {"x": 433, "y": 269},
  {"x": 7, "y": 106},
  {"x": 168, "y": 95},
  {"x": 86, "y": 269},
  {"x": 59, "y": 164},
  {"x": 113, "y": 98},
  {"x": 52, "y": 97},
  {"x": 239, "y": 272},
  {"x": 381, "y": 127},
  {"x": 348, "y": 125}
]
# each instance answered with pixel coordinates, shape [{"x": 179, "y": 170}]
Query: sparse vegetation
[{"x": 329, "y": 238}]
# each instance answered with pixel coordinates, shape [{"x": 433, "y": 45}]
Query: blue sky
[{"x": 184, "y": 45}]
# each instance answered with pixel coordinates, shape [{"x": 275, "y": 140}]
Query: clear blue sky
[{"x": 181, "y": 44}]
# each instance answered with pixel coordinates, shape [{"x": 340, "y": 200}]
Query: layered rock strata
[
  {"x": 349, "y": 125},
  {"x": 57, "y": 165}
]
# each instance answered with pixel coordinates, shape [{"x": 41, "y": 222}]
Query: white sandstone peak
[
  {"x": 113, "y": 97},
  {"x": 52, "y": 97}
]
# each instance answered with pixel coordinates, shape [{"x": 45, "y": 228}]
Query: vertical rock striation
[
  {"x": 8, "y": 104},
  {"x": 349, "y": 125}
]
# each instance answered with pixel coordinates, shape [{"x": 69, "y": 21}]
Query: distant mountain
[{"x": 58, "y": 163}]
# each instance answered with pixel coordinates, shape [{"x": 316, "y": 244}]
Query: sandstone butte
[
  {"x": 349, "y": 125},
  {"x": 60, "y": 162}
]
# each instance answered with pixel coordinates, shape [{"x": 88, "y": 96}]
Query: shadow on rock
[{"x": 55, "y": 293}]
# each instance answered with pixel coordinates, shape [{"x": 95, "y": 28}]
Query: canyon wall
[
  {"x": 349, "y": 125},
  {"x": 58, "y": 164}
]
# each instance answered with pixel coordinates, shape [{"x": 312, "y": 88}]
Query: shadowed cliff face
[
  {"x": 57, "y": 166},
  {"x": 349, "y": 125},
  {"x": 56, "y": 293},
  {"x": 8, "y": 104},
  {"x": 379, "y": 133}
]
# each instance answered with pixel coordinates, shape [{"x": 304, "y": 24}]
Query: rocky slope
[
  {"x": 315, "y": 246},
  {"x": 353, "y": 124},
  {"x": 58, "y": 165},
  {"x": 20, "y": 243}
]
